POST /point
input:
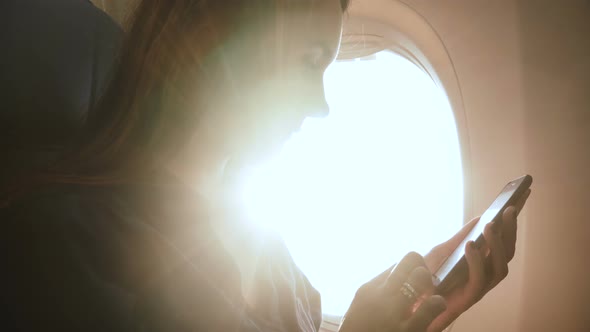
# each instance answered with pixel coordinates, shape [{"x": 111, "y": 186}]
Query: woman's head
[{"x": 200, "y": 81}]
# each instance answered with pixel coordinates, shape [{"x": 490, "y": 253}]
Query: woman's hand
[
  {"x": 384, "y": 303},
  {"x": 484, "y": 274}
]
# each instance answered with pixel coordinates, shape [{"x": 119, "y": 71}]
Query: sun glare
[{"x": 380, "y": 176}]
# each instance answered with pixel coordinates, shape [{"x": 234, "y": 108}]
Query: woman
[{"x": 136, "y": 230}]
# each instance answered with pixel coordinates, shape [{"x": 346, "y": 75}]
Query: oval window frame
[{"x": 375, "y": 25}]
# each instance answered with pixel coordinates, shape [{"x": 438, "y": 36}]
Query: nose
[
  {"x": 317, "y": 105},
  {"x": 319, "y": 110}
]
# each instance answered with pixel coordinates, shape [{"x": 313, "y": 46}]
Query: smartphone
[{"x": 454, "y": 272}]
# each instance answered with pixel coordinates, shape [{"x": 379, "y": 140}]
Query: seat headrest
[{"x": 55, "y": 60}]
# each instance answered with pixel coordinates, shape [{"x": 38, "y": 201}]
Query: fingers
[
  {"x": 477, "y": 277},
  {"x": 384, "y": 303},
  {"x": 384, "y": 307},
  {"x": 439, "y": 253},
  {"x": 426, "y": 313},
  {"x": 508, "y": 233},
  {"x": 411, "y": 270},
  {"x": 421, "y": 280},
  {"x": 497, "y": 254},
  {"x": 400, "y": 273},
  {"x": 458, "y": 238}
]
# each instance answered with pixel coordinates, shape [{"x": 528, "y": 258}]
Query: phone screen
[{"x": 507, "y": 196}]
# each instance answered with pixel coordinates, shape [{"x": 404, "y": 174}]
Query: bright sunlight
[{"x": 380, "y": 176}]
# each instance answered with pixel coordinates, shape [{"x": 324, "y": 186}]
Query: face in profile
[{"x": 272, "y": 79}]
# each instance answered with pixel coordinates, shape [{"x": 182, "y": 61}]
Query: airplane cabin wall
[
  {"x": 555, "y": 39},
  {"x": 524, "y": 70}
]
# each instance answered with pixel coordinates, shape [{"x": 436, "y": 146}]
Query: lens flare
[{"x": 380, "y": 176}]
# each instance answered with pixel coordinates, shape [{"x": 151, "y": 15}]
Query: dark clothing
[{"x": 137, "y": 258}]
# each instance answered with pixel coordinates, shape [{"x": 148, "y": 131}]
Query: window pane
[{"x": 380, "y": 176}]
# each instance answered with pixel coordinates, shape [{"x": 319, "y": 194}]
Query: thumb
[{"x": 477, "y": 277}]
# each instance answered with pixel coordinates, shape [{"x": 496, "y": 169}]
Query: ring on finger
[{"x": 409, "y": 291}]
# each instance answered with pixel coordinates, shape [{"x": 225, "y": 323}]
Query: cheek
[
  {"x": 272, "y": 105},
  {"x": 259, "y": 124},
  {"x": 261, "y": 106},
  {"x": 237, "y": 123}
]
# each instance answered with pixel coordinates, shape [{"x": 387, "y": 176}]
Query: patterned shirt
[{"x": 138, "y": 257}]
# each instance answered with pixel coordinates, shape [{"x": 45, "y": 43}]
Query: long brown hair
[{"x": 147, "y": 110}]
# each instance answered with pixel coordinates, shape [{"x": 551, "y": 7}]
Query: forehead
[
  {"x": 310, "y": 21},
  {"x": 282, "y": 32}
]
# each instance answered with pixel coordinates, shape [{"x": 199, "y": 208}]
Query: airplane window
[{"x": 380, "y": 176}]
